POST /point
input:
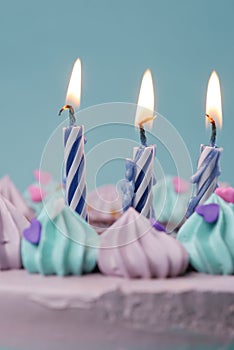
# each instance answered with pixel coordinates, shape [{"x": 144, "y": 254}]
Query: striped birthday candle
[
  {"x": 143, "y": 179},
  {"x": 74, "y": 157},
  {"x": 75, "y": 169},
  {"x": 208, "y": 168},
  {"x": 139, "y": 175},
  {"x": 138, "y": 182},
  {"x": 206, "y": 176}
]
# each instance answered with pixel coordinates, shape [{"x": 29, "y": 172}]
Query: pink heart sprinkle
[
  {"x": 226, "y": 193},
  {"x": 42, "y": 177},
  {"x": 180, "y": 185},
  {"x": 36, "y": 194}
]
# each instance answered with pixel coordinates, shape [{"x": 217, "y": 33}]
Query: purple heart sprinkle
[
  {"x": 33, "y": 233},
  {"x": 210, "y": 212},
  {"x": 157, "y": 225}
]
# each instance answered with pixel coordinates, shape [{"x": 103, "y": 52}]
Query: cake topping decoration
[
  {"x": 226, "y": 193},
  {"x": 42, "y": 177},
  {"x": 132, "y": 248},
  {"x": 10, "y": 192},
  {"x": 157, "y": 225},
  {"x": 210, "y": 246},
  {"x": 180, "y": 185},
  {"x": 59, "y": 242},
  {"x": 210, "y": 212},
  {"x": 169, "y": 203},
  {"x": 36, "y": 193},
  {"x": 33, "y": 233},
  {"x": 12, "y": 224}
]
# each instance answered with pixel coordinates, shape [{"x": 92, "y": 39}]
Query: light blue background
[{"x": 181, "y": 41}]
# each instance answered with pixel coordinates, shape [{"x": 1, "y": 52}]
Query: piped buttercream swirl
[
  {"x": 210, "y": 245},
  {"x": 12, "y": 224},
  {"x": 132, "y": 248},
  {"x": 170, "y": 200},
  {"x": 66, "y": 243}
]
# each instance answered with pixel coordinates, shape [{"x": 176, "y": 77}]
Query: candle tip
[
  {"x": 213, "y": 133},
  {"x": 143, "y": 136},
  {"x": 142, "y": 130},
  {"x": 71, "y": 113}
]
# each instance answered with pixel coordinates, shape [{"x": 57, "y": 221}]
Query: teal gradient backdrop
[{"x": 180, "y": 41}]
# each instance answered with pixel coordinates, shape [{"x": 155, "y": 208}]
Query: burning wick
[
  {"x": 72, "y": 117},
  {"x": 213, "y": 134},
  {"x": 142, "y": 130}
]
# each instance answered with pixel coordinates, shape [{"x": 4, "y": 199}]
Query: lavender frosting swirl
[{"x": 131, "y": 248}]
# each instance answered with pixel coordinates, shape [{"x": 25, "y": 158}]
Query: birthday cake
[
  {"x": 124, "y": 271},
  {"x": 115, "y": 291},
  {"x": 103, "y": 267}
]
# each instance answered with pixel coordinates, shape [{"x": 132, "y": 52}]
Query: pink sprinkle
[
  {"x": 42, "y": 177},
  {"x": 180, "y": 185},
  {"x": 36, "y": 194},
  {"x": 226, "y": 193}
]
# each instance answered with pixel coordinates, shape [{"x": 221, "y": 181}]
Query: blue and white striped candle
[
  {"x": 144, "y": 179},
  {"x": 139, "y": 179},
  {"x": 75, "y": 169},
  {"x": 206, "y": 176},
  {"x": 208, "y": 169},
  {"x": 74, "y": 157},
  {"x": 139, "y": 174}
]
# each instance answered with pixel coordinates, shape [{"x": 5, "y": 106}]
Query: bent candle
[
  {"x": 208, "y": 169},
  {"x": 139, "y": 174}
]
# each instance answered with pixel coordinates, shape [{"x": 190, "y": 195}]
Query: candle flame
[
  {"x": 213, "y": 100},
  {"x": 74, "y": 87},
  {"x": 145, "y": 104}
]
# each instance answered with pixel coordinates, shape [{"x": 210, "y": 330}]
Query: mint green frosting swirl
[
  {"x": 68, "y": 245},
  {"x": 210, "y": 245},
  {"x": 169, "y": 206}
]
